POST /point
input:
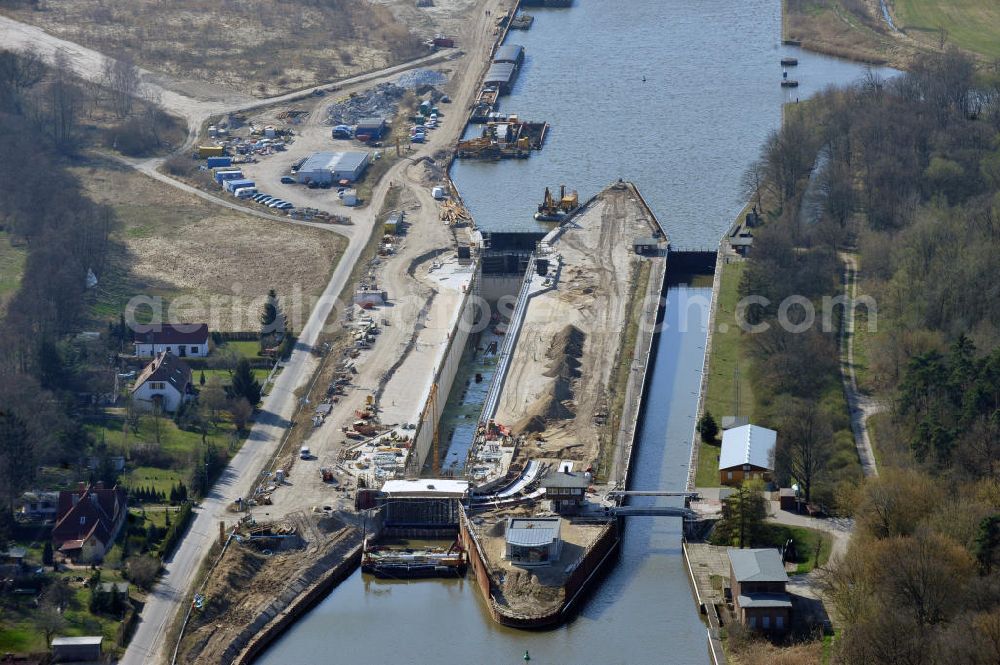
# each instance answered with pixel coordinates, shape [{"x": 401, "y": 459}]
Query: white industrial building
[{"x": 331, "y": 167}]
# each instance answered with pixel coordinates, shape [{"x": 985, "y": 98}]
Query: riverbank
[{"x": 830, "y": 28}]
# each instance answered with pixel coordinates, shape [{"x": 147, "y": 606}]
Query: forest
[{"x": 907, "y": 173}]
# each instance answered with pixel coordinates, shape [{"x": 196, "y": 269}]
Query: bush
[
  {"x": 180, "y": 165},
  {"x": 142, "y": 570}
]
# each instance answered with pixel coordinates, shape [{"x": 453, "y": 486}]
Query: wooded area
[{"x": 909, "y": 179}]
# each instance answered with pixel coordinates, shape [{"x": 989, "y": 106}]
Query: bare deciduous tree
[{"x": 122, "y": 79}]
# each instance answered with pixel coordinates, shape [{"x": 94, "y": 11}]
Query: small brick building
[{"x": 757, "y": 578}]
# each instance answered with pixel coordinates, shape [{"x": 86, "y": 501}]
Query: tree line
[{"x": 909, "y": 180}]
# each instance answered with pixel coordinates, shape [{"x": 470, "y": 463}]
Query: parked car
[
  {"x": 285, "y": 205},
  {"x": 287, "y": 180},
  {"x": 275, "y": 203},
  {"x": 266, "y": 200}
]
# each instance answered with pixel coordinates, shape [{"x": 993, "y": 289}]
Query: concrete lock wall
[
  {"x": 447, "y": 371},
  {"x": 494, "y": 287}
]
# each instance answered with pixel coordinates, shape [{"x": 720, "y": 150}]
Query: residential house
[
  {"x": 758, "y": 581},
  {"x": 566, "y": 490},
  {"x": 39, "y": 506},
  {"x": 165, "y": 381},
  {"x": 88, "y": 521},
  {"x": 747, "y": 452},
  {"x": 181, "y": 339}
]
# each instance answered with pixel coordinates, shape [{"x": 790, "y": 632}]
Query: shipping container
[
  {"x": 211, "y": 151},
  {"x": 444, "y": 42},
  {"x": 219, "y": 162},
  {"x": 228, "y": 174},
  {"x": 233, "y": 185}
]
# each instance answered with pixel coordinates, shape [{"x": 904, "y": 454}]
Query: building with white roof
[
  {"x": 422, "y": 504},
  {"x": 747, "y": 452},
  {"x": 329, "y": 167},
  {"x": 533, "y": 541}
]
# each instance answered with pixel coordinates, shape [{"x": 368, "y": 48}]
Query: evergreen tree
[
  {"x": 47, "y": 553},
  {"x": 708, "y": 428},
  {"x": 244, "y": 383}
]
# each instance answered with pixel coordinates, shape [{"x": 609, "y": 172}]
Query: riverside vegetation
[{"x": 911, "y": 185}]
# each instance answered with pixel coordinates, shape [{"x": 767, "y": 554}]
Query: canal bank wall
[
  {"x": 446, "y": 367},
  {"x": 299, "y": 597},
  {"x": 593, "y": 564}
]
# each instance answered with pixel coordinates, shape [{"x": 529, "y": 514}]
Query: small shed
[
  {"x": 533, "y": 541},
  {"x": 373, "y": 128},
  {"x": 647, "y": 245},
  {"x": 77, "y": 649},
  {"x": 787, "y": 499}
]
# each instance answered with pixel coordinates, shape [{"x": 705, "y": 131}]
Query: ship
[
  {"x": 408, "y": 563},
  {"x": 556, "y": 210}
]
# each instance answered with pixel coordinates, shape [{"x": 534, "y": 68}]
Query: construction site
[{"x": 364, "y": 460}]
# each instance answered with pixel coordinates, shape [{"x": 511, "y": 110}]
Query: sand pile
[{"x": 557, "y": 402}]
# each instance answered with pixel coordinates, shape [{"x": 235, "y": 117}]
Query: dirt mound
[{"x": 557, "y": 403}]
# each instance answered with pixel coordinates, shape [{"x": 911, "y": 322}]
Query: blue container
[{"x": 218, "y": 162}]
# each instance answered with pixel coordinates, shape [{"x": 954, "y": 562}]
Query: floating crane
[{"x": 556, "y": 210}]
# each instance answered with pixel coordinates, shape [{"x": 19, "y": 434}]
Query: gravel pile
[
  {"x": 379, "y": 102},
  {"x": 419, "y": 77}
]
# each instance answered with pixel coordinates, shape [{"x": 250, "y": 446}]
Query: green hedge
[{"x": 178, "y": 524}]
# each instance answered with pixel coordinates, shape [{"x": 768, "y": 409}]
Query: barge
[
  {"x": 401, "y": 564},
  {"x": 504, "y": 137}
]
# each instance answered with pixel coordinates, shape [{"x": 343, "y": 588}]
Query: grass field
[
  {"x": 177, "y": 443},
  {"x": 262, "y": 47},
  {"x": 973, "y": 25},
  {"x": 726, "y": 355},
  {"x": 173, "y": 244},
  {"x": 159, "y": 480},
  {"x": 11, "y": 267}
]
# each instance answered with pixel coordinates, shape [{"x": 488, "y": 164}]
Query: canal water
[
  {"x": 711, "y": 96},
  {"x": 684, "y": 136}
]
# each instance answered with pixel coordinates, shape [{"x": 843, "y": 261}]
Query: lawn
[
  {"x": 11, "y": 267},
  {"x": 19, "y": 634},
  {"x": 225, "y": 376},
  {"x": 160, "y": 480},
  {"x": 177, "y": 443},
  {"x": 970, "y": 24},
  {"x": 805, "y": 540},
  {"x": 726, "y": 355}
]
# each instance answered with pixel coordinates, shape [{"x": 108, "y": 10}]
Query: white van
[
  {"x": 304, "y": 453},
  {"x": 245, "y": 192}
]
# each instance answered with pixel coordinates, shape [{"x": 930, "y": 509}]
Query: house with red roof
[{"x": 88, "y": 520}]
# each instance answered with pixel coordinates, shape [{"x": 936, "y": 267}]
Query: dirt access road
[
  {"x": 211, "y": 100},
  {"x": 148, "y": 645}
]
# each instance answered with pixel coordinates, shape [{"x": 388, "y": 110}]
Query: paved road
[
  {"x": 148, "y": 645},
  {"x": 861, "y": 406}
]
